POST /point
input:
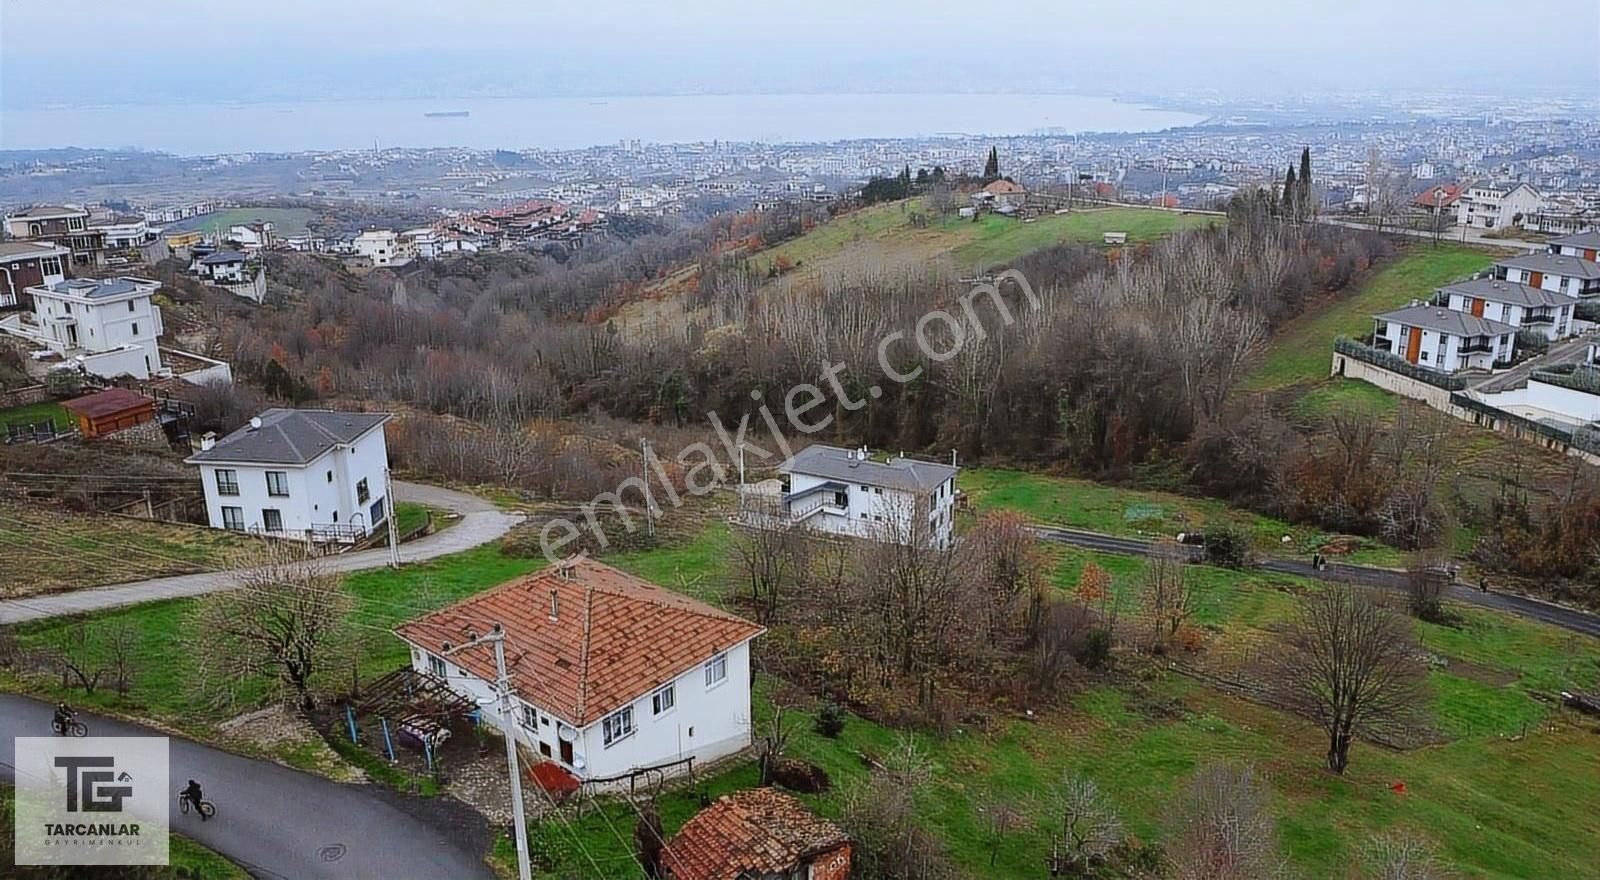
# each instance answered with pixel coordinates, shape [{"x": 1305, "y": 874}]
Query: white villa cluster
[
  {"x": 108, "y": 326},
  {"x": 311, "y": 474},
  {"x": 846, "y": 492}
]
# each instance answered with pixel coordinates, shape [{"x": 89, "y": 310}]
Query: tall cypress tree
[
  {"x": 991, "y": 168},
  {"x": 1305, "y": 181},
  {"x": 1291, "y": 194}
]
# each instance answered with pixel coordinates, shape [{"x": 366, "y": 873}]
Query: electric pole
[
  {"x": 394, "y": 531},
  {"x": 497, "y": 636}
]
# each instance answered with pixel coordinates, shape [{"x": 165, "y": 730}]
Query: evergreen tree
[
  {"x": 922, "y": 176},
  {"x": 938, "y": 174},
  {"x": 1291, "y": 194},
  {"x": 1305, "y": 196},
  {"x": 991, "y": 168}
]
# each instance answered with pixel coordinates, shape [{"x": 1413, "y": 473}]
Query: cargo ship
[{"x": 448, "y": 114}]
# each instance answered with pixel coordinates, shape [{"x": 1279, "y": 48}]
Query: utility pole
[
  {"x": 394, "y": 531},
  {"x": 497, "y": 636},
  {"x": 649, "y": 496}
]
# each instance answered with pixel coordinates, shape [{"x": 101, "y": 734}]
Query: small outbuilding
[
  {"x": 107, "y": 412},
  {"x": 760, "y": 833}
]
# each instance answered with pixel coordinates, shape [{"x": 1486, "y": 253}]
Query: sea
[{"x": 216, "y": 127}]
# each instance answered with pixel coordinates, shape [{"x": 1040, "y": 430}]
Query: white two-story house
[
  {"x": 846, "y": 492},
  {"x": 1444, "y": 340},
  {"x": 222, "y": 267},
  {"x": 1497, "y": 206},
  {"x": 310, "y": 474},
  {"x": 609, "y": 672},
  {"x": 107, "y": 326},
  {"x": 1581, "y": 244},
  {"x": 1573, "y": 276},
  {"x": 1521, "y": 306}
]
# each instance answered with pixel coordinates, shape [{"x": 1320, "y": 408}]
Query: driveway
[
  {"x": 1569, "y": 619},
  {"x": 276, "y": 822},
  {"x": 1570, "y": 351},
  {"x": 1451, "y": 235},
  {"x": 481, "y": 522}
]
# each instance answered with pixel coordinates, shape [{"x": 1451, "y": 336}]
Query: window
[
  {"x": 436, "y": 666},
  {"x": 233, "y": 518},
  {"x": 618, "y": 725},
  {"x": 376, "y": 512},
  {"x": 136, "y": 328},
  {"x": 278, "y": 484},
  {"x": 361, "y": 492},
  {"x": 227, "y": 482},
  {"x": 272, "y": 519},
  {"x": 663, "y": 700},
  {"x": 530, "y": 716},
  {"x": 130, "y": 305},
  {"x": 717, "y": 670},
  {"x": 330, "y": 476}
]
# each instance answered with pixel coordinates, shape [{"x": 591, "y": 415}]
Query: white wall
[
  {"x": 104, "y": 326},
  {"x": 1542, "y": 400},
  {"x": 1442, "y": 351},
  {"x": 706, "y": 723},
  {"x": 871, "y": 510},
  {"x": 1511, "y": 313},
  {"x": 321, "y": 493}
]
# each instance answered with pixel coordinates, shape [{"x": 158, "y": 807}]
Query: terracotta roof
[
  {"x": 614, "y": 637},
  {"x": 107, "y": 402},
  {"x": 757, "y": 832},
  {"x": 1003, "y": 187},
  {"x": 1447, "y": 195}
]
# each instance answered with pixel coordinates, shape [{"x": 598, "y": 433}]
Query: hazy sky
[{"x": 74, "y": 52}]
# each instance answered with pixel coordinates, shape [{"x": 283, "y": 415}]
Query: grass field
[
  {"x": 34, "y": 413},
  {"x": 46, "y": 549},
  {"x": 1302, "y": 350},
  {"x": 1496, "y": 802},
  {"x": 285, "y": 221}
]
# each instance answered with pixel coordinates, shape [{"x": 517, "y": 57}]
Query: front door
[
  {"x": 1536, "y": 279},
  {"x": 1588, "y": 254},
  {"x": 1414, "y": 345},
  {"x": 566, "y": 753},
  {"x": 1477, "y": 308}
]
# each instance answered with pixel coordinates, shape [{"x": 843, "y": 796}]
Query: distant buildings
[
  {"x": 382, "y": 247},
  {"x": 68, "y": 227},
  {"x": 25, "y": 264},
  {"x": 315, "y": 475}
]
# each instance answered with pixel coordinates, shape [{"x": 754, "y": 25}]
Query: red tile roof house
[
  {"x": 760, "y": 833},
  {"x": 609, "y": 672}
]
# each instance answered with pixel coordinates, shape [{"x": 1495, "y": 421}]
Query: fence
[{"x": 1396, "y": 364}]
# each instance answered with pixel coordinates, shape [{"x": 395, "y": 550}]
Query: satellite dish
[{"x": 566, "y": 731}]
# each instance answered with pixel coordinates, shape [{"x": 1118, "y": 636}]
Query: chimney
[
  {"x": 255, "y": 423},
  {"x": 208, "y": 440},
  {"x": 555, "y": 606}
]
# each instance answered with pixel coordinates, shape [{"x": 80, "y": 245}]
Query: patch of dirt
[{"x": 279, "y": 730}]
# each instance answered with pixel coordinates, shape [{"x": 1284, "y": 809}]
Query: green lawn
[
  {"x": 996, "y": 239},
  {"x": 34, "y": 413},
  {"x": 1302, "y": 350},
  {"x": 1497, "y": 804},
  {"x": 1119, "y": 511},
  {"x": 285, "y": 221}
]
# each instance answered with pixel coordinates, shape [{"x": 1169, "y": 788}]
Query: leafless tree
[
  {"x": 1002, "y": 817},
  {"x": 774, "y": 741},
  {"x": 771, "y": 555},
  {"x": 283, "y": 619},
  {"x": 880, "y": 814},
  {"x": 1009, "y": 566},
  {"x": 1351, "y": 665},
  {"x": 1090, "y": 827},
  {"x": 1167, "y": 596},
  {"x": 1399, "y": 857},
  {"x": 76, "y": 655},
  {"x": 1221, "y": 828},
  {"x": 1428, "y": 576}
]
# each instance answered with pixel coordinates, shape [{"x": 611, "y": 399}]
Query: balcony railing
[
  {"x": 1475, "y": 348},
  {"x": 1535, "y": 320}
]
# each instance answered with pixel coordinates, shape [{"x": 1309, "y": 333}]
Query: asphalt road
[
  {"x": 279, "y": 823},
  {"x": 1567, "y": 352},
  {"x": 481, "y": 522},
  {"x": 1383, "y": 578}
]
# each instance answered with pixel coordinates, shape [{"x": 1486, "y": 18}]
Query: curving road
[
  {"x": 1561, "y": 616},
  {"x": 481, "y": 522},
  {"x": 276, "y": 822}
]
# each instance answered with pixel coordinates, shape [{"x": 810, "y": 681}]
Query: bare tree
[
  {"x": 649, "y": 839},
  {"x": 1009, "y": 566},
  {"x": 1428, "y": 575},
  {"x": 880, "y": 816},
  {"x": 1002, "y": 817},
  {"x": 1399, "y": 857},
  {"x": 772, "y": 557},
  {"x": 1221, "y": 828},
  {"x": 1352, "y": 665},
  {"x": 283, "y": 619},
  {"x": 1168, "y": 598},
  {"x": 1090, "y": 828},
  {"x": 76, "y": 656}
]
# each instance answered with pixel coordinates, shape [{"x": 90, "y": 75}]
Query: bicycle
[
  {"x": 74, "y": 727},
  {"x": 207, "y": 808}
]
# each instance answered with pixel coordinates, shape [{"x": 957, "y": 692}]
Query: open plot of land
[
  {"x": 35, "y": 413},
  {"x": 285, "y": 221},
  {"x": 47, "y": 549},
  {"x": 1496, "y": 802},
  {"x": 1302, "y": 350}
]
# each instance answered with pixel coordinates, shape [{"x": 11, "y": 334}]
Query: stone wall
[{"x": 27, "y": 394}]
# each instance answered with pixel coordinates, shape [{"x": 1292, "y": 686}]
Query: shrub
[
  {"x": 63, "y": 384},
  {"x": 830, "y": 720},
  {"x": 1229, "y": 546},
  {"x": 1095, "y": 652}
]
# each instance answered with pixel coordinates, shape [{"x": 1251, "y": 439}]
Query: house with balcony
[
  {"x": 609, "y": 673},
  {"x": 1442, "y": 339},
  {"x": 25, "y": 264},
  {"x": 1573, "y": 276},
  {"x": 1487, "y": 205},
  {"x": 1584, "y": 245},
  {"x": 65, "y": 226},
  {"x": 314, "y": 475},
  {"x": 219, "y": 267},
  {"x": 384, "y": 248},
  {"x": 847, "y": 492},
  {"x": 106, "y": 326},
  {"x": 1520, "y": 305}
]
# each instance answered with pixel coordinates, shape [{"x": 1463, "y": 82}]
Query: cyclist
[{"x": 191, "y": 793}]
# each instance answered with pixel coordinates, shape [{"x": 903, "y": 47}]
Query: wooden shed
[{"x": 107, "y": 412}]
